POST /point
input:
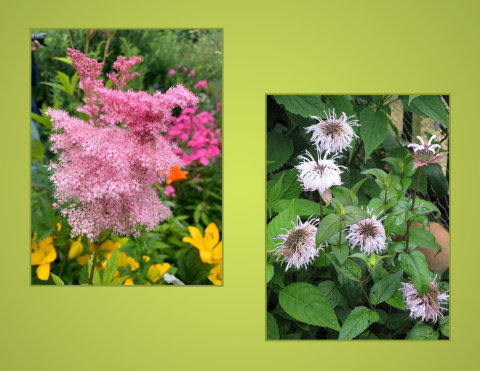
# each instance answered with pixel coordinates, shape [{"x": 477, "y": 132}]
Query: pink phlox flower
[
  {"x": 123, "y": 66},
  {"x": 218, "y": 107},
  {"x": 170, "y": 191},
  {"x": 191, "y": 73},
  {"x": 171, "y": 72},
  {"x": 185, "y": 69},
  {"x": 201, "y": 84},
  {"x": 425, "y": 154}
]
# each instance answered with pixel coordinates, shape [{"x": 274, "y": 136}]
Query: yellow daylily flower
[
  {"x": 43, "y": 253},
  {"x": 156, "y": 270},
  {"x": 129, "y": 282},
  {"x": 124, "y": 261},
  {"x": 207, "y": 246},
  {"x": 75, "y": 249},
  {"x": 216, "y": 274}
]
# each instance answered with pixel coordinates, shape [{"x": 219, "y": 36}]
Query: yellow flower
[
  {"x": 155, "y": 271},
  {"x": 75, "y": 249},
  {"x": 210, "y": 249},
  {"x": 43, "y": 253},
  {"x": 129, "y": 282},
  {"x": 208, "y": 246},
  {"x": 124, "y": 261}
]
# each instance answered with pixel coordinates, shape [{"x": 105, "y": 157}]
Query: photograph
[
  {"x": 357, "y": 208},
  {"x": 126, "y": 157}
]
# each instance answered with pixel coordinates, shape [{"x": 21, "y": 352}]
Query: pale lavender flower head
[
  {"x": 427, "y": 306},
  {"x": 318, "y": 175},
  {"x": 298, "y": 246},
  {"x": 369, "y": 234},
  {"x": 424, "y": 154},
  {"x": 333, "y": 134}
]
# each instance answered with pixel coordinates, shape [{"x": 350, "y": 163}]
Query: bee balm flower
[
  {"x": 298, "y": 247},
  {"x": 369, "y": 234},
  {"x": 426, "y": 306},
  {"x": 424, "y": 154},
  {"x": 333, "y": 134},
  {"x": 318, "y": 175}
]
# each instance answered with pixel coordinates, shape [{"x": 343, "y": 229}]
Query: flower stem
[
  {"x": 371, "y": 306},
  {"x": 413, "y": 205},
  {"x": 340, "y": 238},
  {"x": 386, "y": 191},
  {"x": 321, "y": 206},
  {"x": 94, "y": 263}
]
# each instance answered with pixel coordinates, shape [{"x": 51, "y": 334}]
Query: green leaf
[
  {"x": 38, "y": 150},
  {"x": 399, "y": 215},
  {"x": 272, "y": 327},
  {"x": 341, "y": 253},
  {"x": 282, "y": 220},
  {"x": 300, "y": 207},
  {"x": 57, "y": 280},
  {"x": 385, "y": 288},
  {"x": 118, "y": 281},
  {"x": 354, "y": 214},
  {"x": 444, "y": 324},
  {"x": 431, "y": 106},
  {"x": 73, "y": 82},
  {"x": 341, "y": 104},
  {"x": 397, "y": 301},
  {"x": 56, "y": 86},
  {"x": 437, "y": 180},
  {"x": 373, "y": 129},
  {"x": 308, "y": 304},
  {"x": 270, "y": 272},
  {"x": 303, "y": 105},
  {"x": 422, "y": 332},
  {"x": 329, "y": 226},
  {"x": 415, "y": 265},
  {"x": 291, "y": 187},
  {"x": 111, "y": 268},
  {"x": 425, "y": 207},
  {"x": 412, "y": 97},
  {"x": 423, "y": 238},
  {"x": 349, "y": 268},
  {"x": 343, "y": 195},
  {"x": 191, "y": 270},
  {"x": 381, "y": 176},
  {"x": 64, "y": 60},
  {"x": 65, "y": 80},
  {"x": 333, "y": 295},
  {"x": 96, "y": 276},
  {"x": 279, "y": 149},
  {"x": 276, "y": 189},
  {"x": 357, "y": 322}
]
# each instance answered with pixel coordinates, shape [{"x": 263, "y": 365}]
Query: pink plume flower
[
  {"x": 201, "y": 84},
  {"x": 171, "y": 72},
  {"x": 191, "y": 73},
  {"x": 104, "y": 172},
  {"x": 123, "y": 67},
  {"x": 197, "y": 135}
]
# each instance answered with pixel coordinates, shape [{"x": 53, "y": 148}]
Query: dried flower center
[
  {"x": 431, "y": 295},
  {"x": 295, "y": 241},
  {"x": 320, "y": 168},
  {"x": 333, "y": 129},
  {"x": 368, "y": 229},
  {"x": 424, "y": 154}
]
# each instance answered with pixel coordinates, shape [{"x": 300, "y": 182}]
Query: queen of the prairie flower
[
  {"x": 104, "y": 171},
  {"x": 427, "y": 306},
  {"x": 298, "y": 247},
  {"x": 333, "y": 134}
]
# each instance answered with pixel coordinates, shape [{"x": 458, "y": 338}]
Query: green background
[{"x": 371, "y": 47}]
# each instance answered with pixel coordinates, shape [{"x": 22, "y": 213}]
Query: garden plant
[
  {"x": 351, "y": 201},
  {"x": 126, "y": 183}
]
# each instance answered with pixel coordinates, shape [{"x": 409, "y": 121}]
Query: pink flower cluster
[
  {"x": 201, "y": 84},
  {"x": 197, "y": 134},
  {"x": 180, "y": 69},
  {"x": 103, "y": 168}
]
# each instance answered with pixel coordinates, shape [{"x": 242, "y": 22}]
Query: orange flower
[{"x": 176, "y": 174}]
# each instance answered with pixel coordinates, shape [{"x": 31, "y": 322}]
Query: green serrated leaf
[
  {"x": 272, "y": 327},
  {"x": 422, "y": 332},
  {"x": 431, "y": 106},
  {"x": 282, "y": 220},
  {"x": 373, "y": 129},
  {"x": 385, "y": 288},
  {"x": 444, "y": 324},
  {"x": 423, "y": 238},
  {"x": 111, "y": 268},
  {"x": 357, "y": 322},
  {"x": 329, "y": 226},
  {"x": 270, "y": 272},
  {"x": 308, "y": 304},
  {"x": 279, "y": 149},
  {"x": 415, "y": 265},
  {"x": 349, "y": 268},
  {"x": 303, "y": 105}
]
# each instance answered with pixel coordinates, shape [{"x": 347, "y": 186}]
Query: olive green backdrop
[{"x": 371, "y": 47}]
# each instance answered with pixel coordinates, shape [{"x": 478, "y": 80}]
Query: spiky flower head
[
  {"x": 427, "y": 306},
  {"x": 333, "y": 134},
  {"x": 298, "y": 246},
  {"x": 318, "y": 175},
  {"x": 369, "y": 234},
  {"x": 424, "y": 154}
]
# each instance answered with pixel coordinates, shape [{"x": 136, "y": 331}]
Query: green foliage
[{"x": 343, "y": 284}]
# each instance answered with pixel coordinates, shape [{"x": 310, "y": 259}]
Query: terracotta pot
[{"x": 441, "y": 261}]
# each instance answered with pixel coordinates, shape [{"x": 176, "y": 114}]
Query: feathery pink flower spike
[{"x": 104, "y": 172}]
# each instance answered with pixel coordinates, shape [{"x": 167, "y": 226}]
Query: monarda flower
[
  {"x": 318, "y": 175},
  {"x": 333, "y": 134},
  {"x": 427, "y": 306},
  {"x": 424, "y": 154},
  {"x": 298, "y": 247},
  {"x": 369, "y": 234}
]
